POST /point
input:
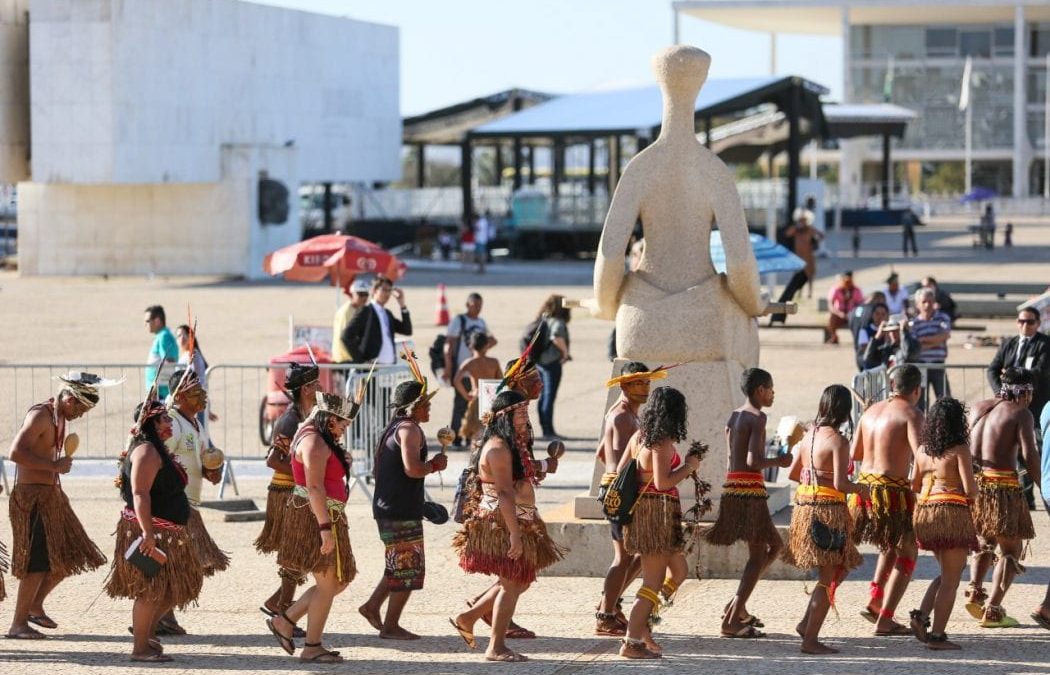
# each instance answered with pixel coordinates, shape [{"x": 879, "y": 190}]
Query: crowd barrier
[
  {"x": 968, "y": 383},
  {"x": 242, "y": 396}
]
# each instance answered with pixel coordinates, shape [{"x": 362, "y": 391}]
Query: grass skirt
[
  {"x": 69, "y": 549},
  {"x": 999, "y": 511},
  {"x": 886, "y": 515},
  {"x": 212, "y": 559},
  {"x": 943, "y": 525},
  {"x": 743, "y": 518},
  {"x": 177, "y": 584},
  {"x": 300, "y": 545},
  {"x": 269, "y": 540},
  {"x": 802, "y": 552},
  {"x": 5, "y": 563},
  {"x": 656, "y": 525},
  {"x": 483, "y": 542}
]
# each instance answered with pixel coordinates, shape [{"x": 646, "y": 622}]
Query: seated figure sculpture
[{"x": 675, "y": 307}]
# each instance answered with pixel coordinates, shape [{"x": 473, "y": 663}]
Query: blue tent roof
[
  {"x": 636, "y": 109},
  {"x": 771, "y": 256}
]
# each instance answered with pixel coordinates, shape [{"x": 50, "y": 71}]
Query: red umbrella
[{"x": 339, "y": 257}]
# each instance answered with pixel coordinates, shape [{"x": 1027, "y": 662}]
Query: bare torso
[
  {"x": 815, "y": 457},
  {"x": 945, "y": 471},
  {"x": 996, "y": 436},
  {"x": 887, "y": 438},
  {"x": 745, "y": 433},
  {"x": 619, "y": 425},
  {"x": 41, "y": 437}
]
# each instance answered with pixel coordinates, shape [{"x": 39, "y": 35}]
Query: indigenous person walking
[
  {"x": 301, "y": 386},
  {"x": 401, "y": 464},
  {"x": 620, "y": 424},
  {"x": 503, "y": 534},
  {"x": 943, "y": 521},
  {"x": 156, "y": 511},
  {"x": 188, "y": 444},
  {"x": 521, "y": 376},
  {"x": 50, "y": 544},
  {"x": 479, "y": 366},
  {"x": 743, "y": 513},
  {"x": 999, "y": 426},
  {"x": 655, "y": 531},
  {"x": 887, "y": 438},
  {"x": 315, "y": 536},
  {"x": 819, "y": 537}
]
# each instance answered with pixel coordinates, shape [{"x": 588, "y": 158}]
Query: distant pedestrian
[
  {"x": 842, "y": 300},
  {"x": 457, "y": 351},
  {"x": 357, "y": 297},
  {"x": 930, "y": 330},
  {"x": 908, "y": 223},
  {"x": 1008, "y": 235},
  {"x": 856, "y": 240},
  {"x": 943, "y": 298},
  {"x": 466, "y": 244},
  {"x": 804, "y": 239},
  {"x": 482, "y": 235},
  {"x": 478, "y": 367},
  {"x": 163, "y": 353},
  {"x": 551, "y": 360},
  {"x": 896, "y": 295},
  {"x": 988, "y": 227},
  {"x": 198, "y": 365},
  {"x": 370, "y": 334}
]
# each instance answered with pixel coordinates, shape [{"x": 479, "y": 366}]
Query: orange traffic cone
[{"x": 442, "y": 307}]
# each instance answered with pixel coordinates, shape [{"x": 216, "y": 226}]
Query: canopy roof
[
  {"x": 873, "y": 119},
  {"x": 449, "y": 125},
  {"x": 637, "y": 110}
]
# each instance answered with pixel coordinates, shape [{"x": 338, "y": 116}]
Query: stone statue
[{"x": 675, "y": 307}]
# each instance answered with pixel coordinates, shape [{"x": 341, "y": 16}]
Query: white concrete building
[
  {"x": 912, "y": 52},
  {"x": 153, "y": 123}
]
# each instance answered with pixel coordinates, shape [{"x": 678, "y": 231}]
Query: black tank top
[
  {"x": 397, "y": 495},
  {"x": 167, "y": 494}
]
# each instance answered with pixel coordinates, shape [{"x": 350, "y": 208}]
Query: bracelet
[
  {"x": 325, "y": 526},
  {"x": 543, "y": 466}
]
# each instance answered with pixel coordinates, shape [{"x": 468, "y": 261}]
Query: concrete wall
[
  {"x": 176, "y": 229},
  {"x": 14, "y": 91},
  {"x": 153, "y": 120}
]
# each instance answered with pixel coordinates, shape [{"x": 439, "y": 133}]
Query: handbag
[
  {"x": 825, "y": 538},
  {"x": 621, "y": 496}
]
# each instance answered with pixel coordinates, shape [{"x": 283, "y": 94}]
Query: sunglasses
[{"x": 1026, "y": 322}]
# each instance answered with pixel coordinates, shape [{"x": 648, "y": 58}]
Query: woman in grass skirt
[
  {"x": 820, "y": 534},
  {"x": 943, "y": 519},
  {"x": 156, "y": 511}
]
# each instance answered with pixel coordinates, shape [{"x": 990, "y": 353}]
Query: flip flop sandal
[
  {"x": 519, "y": 633},
  {"x": 1041, "y": 619},
  {"x": 745, "y": 632},
  {"x": 976, "y": 610},
  {"x": 165, "y": 627},
  {"x": 286, "y": 642},
  {"x": 897, "y": 631},
  {"x": 920, "y": 624},
  {"x": 754, "y": 621},
  {"x": 153, "y": 658},
  {"x": 27, "y": 634},
  {"x": 42, "y": 620},
  {"x": 265, "y": 610},
  {"x": 508, "y": 657},
  {"x": 326, "y": 656},
  {"x": 871, "y": 616},
  {"x": 467, "y": 636}
]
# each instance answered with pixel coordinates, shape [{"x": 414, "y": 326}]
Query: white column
[{"x": 1021, "y": 147}]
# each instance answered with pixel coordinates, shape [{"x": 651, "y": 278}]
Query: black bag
[
  {"x": 437, "y": 349},
  {"x": 622, "y": 494},
  {"x": 543, "y": 341},
  {"x": 825, "y": 538},
  {"x": 459, "y": 501}
]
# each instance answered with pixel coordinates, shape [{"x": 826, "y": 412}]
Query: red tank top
[{"x": 334, "y": 478}]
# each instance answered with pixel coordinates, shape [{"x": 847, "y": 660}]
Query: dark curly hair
[
  {"x": 664, "y": 417},
  {"x": 945, "y": 427},
  {"x": 502, "y": 427},
  {"x": 835, "y": 408}
]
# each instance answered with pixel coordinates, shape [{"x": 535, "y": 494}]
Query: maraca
[
  {"x": 445, "y": 437},
  {"x": 212, "y": 458},
  {"x": 71, "y": 444},
  {"x": 555, "y": 449}
]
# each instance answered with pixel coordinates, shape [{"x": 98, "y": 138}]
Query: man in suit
[
  {"x": 370, "y": 334},
  {"x": 1029, "y": 349}
]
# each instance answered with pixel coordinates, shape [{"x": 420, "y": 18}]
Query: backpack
[
  {"x": 437, "y": 349},
  {"x": 622, "y": 495},
  {"x": 542, "y": 342}
]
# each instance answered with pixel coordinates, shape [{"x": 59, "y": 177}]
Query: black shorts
[
  {"x": 616, "y": 530},
  {"x": 38, "y": 558}
]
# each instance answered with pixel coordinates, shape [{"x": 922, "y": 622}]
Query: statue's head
[{"x": 681, "y": 70}]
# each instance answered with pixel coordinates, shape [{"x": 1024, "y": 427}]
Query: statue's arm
[
  {"x": 609, "y": 262},
  {"x": 741, "y": 267}
]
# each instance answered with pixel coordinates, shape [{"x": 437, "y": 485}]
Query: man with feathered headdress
[{"x": 50, "y": 544}]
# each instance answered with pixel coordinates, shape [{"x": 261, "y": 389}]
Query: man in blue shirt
[{"x": 163, "y": 354}]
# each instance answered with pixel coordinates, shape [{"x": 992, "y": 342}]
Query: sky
[{"x": 456, "y": 50}]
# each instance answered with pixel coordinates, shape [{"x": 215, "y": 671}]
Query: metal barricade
[{"x": 966, "y": 382}]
